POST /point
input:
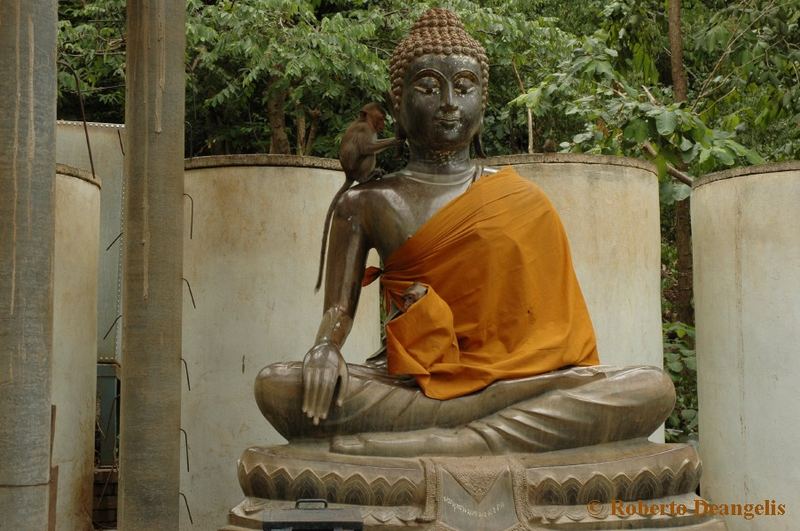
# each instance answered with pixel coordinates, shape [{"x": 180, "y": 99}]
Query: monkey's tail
[{"x": 326, "y": 229}]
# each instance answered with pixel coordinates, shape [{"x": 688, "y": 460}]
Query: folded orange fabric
[{"x": 503, "y": 300}]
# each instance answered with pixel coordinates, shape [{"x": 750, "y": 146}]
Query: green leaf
[
  {"x": 636, "y": 131},
  {"x": 665, "y": 123},
  {"x": 689, "y": 156},
  {"x": 675, "y": 366},
  {"x": 604, "y": 68},
  {"x": 681, "y": 192},
  {"x": 753, "y": 157},
  {"x": 723, "y": 155}
]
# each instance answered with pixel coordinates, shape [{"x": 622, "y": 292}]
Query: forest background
[{"x": 693, "y": 85}]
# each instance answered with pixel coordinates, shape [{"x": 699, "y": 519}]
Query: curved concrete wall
[
  {"x": 107, "y": 153},
  {"x": 77, "y": 220},
  {"x": 610, "y": 210},
  {"x": 252, "y": 265},
  {"x": 747, "y": 305}
]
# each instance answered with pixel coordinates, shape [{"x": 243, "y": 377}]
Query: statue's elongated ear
[
  {"x": 477, "y": 144},
  {"x": 400, "y": 133}
]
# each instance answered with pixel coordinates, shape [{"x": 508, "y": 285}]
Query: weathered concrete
[
  {"x": 77, "y": 220},
  {"x": 106, "y": 141},
  {"x": 153, "y": 241},
  {"x": 746, "y": 286},
  {"x": 27, "y": 174},
  {"x": 251, "y": 264},
  {"x": 610, "y": 209}
]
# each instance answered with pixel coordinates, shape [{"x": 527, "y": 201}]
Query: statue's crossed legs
[{"x": 383, "y": 415}]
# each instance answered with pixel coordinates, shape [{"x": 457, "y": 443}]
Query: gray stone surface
[
  {"x": 77, "y": 233},
  {"x": 747, "y": 305}
]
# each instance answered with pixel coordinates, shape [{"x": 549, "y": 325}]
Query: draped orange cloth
[{"x": 503, "y": 301}]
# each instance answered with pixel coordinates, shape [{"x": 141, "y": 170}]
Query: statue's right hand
[{"x": 323, "y": 368}]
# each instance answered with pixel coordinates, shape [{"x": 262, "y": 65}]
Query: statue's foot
[{"x": 434, "y": 441}]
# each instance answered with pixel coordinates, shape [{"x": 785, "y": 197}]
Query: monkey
[
  {"x": 412, "y": 294},
  {"x": 357, "y": 153}
]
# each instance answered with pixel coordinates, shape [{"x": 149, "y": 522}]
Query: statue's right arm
[{"x": 323, "y": 366}]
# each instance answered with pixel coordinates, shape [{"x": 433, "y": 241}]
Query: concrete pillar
[
  {"x": 77, "y": 228},
  {"x": 152, "y": 286},
  {"x": 27, "y": 176},
  {"x": 108, "y": 157},
  {"x": 252, "y": 264},
  {"x": 747, "y": 311}
]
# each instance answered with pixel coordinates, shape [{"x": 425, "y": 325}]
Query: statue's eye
[
  {"x": 464, "y": 86},
  {"x": 427, "y": 86}
]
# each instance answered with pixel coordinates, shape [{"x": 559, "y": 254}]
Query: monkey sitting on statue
[{"x": 360, "y": 144}]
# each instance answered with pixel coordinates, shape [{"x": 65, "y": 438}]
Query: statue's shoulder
[{"x": 373, "y": 195}]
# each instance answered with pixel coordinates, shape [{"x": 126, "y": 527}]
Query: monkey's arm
[
  {"x": 376, "y": 146},
  {"x": 324, "y": 366}
]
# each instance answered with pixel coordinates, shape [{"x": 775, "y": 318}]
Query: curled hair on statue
[{"x": 440, "y": 32}]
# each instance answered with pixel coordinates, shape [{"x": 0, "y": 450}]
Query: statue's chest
[{"x": 407, "y": 211}]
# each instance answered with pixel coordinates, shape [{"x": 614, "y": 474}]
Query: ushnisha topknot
[{"x": 438, "y": 31}]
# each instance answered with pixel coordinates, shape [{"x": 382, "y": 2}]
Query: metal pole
[
  {"x": 27, "y": 181},
  {"x": 152, "y": 270}
]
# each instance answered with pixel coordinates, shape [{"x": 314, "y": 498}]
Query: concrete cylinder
[
  {"x": 747, "y": 305},
  {"x": 106, "y": 141},
  {"x": 610, "y": 210},
  {"x": 77, "y": 230},
  {"x": 251, "y": 262}
]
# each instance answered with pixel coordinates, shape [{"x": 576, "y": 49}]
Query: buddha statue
[
  {"x": 490, "y": 382},
  {"x": 499, "y": 356}
]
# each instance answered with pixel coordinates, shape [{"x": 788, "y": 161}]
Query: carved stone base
[{"x": 570, "y": 489}]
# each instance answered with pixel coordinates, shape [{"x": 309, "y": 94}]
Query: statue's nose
[{"x": 447, "y": 104}]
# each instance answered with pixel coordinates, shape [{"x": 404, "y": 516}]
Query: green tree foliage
[
  {"x": 321, "y": 60},
  {"x": 680, "y": 363},
  {"x": 91, "y": 41}
]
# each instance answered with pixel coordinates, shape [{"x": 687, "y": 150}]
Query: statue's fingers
[
  {"x": 344, "y": 382},
  {"x": 314, "y": 384},
  {"x": 326, "y": 393},
  {"x": 306, "y": 390}
]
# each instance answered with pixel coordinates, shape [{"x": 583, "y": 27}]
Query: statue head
[{"x": 439, "y": 77}]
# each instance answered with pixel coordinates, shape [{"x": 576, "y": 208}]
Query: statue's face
[{"x": 442, "y": 102}]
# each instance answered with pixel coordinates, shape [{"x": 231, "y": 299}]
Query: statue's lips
[{"x": 448, "y": 123}]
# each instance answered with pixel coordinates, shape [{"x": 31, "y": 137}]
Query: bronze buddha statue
[
  {"x": 439, "y": 80},
  {"x": 490, "y": 410}
]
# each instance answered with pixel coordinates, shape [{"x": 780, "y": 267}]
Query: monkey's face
[
  {"x": 374, "y": 115},
  {"x": 442, "y": 101}
]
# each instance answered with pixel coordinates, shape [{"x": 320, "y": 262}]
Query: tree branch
[
  {"x": 685, "y": 178},
  {"x": 530, "y": 113}
]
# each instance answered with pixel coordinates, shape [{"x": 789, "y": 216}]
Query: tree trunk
[
  {"x": 683, "y": 225},
  {"x": 679, "y": 82},
  {"x": 27, "y": 181},
  {"x": 279, "y": 141},
  {"x": 312, "y": 131},
  {"x": 152, "y": 290},
  {"x": 301, "y": 130}
]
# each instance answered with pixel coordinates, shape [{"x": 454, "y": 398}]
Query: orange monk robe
[{"x": 503, "y": 300}]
